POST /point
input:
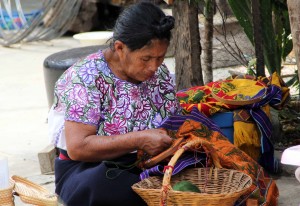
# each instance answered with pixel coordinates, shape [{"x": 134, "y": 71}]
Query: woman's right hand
[
  {"x": 154, "y": 141},
  {"x": 85, "y": 145}
]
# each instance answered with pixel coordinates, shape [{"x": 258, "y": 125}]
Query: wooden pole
[
  {"x": 208, "y": 41},
  {"x": 186, "y": 38},
  {"x": 294, "y": 16},
  {"x": 258, "y": 39}
]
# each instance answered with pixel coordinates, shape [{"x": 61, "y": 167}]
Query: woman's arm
[{"x": 84, "y": 145}]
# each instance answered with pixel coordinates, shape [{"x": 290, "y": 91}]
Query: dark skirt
[{"x": 97, "y": 184}]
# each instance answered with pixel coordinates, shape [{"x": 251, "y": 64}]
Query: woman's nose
[{"x": 154, "y": 64}]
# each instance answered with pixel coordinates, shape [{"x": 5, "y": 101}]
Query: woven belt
[{"x": 63, "y": 155}]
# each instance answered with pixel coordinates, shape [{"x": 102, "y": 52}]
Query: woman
[{"x": 108, "y": 106}]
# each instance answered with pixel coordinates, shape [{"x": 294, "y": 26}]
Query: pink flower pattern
[
  {"x": 76, "y": 112},
  {"x": 89, "y": 92},
  {"x": 116, "y": 126}
]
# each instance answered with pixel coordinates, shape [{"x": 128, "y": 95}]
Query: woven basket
[
  {"x": 32, "y": 193},
  {"x": 218, "y": 186},
  {"x": 221, "y": 94},
  {"x": 6, "y": 195}
]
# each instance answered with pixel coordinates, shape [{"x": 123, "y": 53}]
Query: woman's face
[{"x": 141, "y": 64}]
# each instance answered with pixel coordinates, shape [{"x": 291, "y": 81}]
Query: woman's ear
[{"x": 119, "y": 48}]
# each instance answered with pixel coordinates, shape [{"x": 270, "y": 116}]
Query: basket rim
[
  {"x": 33, "y": 192},
  {"x": 167, "y": 176},
  {"x": 153, "y": 196},
  {"x": 135, "y": 186},
  {"x": 237, "y": 102}
]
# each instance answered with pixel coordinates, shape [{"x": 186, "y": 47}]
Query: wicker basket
[
  {"x": 6, "y": 195},
  {"x": 218, "y": 186},
  {"x": 32, "y": 193}
]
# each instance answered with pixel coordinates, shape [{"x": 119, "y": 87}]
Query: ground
[{"x": 24, "y": 108}]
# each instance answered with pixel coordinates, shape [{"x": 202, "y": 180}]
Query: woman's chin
[{"x": 142, "y": 79}]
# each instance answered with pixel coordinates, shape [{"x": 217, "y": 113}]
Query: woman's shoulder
[
  {"x": 92, "y": 60},
  {"x": 89, "y": 68}
]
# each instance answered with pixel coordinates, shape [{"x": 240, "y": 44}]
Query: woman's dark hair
[{"x": 138, "y": 24}]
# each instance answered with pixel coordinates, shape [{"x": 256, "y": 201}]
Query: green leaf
[
  {"x": 275, "y": 36},
  {"x": 292, "y": 81},
  {"x": 170, "y": 96},
  {"x": 242, "y": 11},
  {"x": 108, "y": 80},
  {"x": 163, "y": 112},
  {"x": 152, "y": 105}
]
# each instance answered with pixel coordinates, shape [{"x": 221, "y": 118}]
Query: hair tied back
[{"x": 166, "y": 24}]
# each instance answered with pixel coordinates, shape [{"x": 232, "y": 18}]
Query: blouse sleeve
[{"x": 77, "y": 93}]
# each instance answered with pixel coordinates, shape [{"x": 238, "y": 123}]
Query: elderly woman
[{"x": 108, "y": 106}]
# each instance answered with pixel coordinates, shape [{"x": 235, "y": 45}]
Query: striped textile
[
  {"x": 273, "y": 98},
  {"x": 216, "y": 150},
  {"x": 173, "y": 123},
  {"x": 276, "y": 96},
  {"x": 184, "y": 161}
]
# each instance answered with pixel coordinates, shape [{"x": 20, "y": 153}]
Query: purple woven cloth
[
  {"x": 273, "y": 98},
  {"x": 188, "y": 158},
  {"x": 175, "y": 121},
  {"x": 267, "y": 160}
]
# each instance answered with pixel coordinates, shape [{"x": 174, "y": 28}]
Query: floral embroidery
[
  {"x": 75, "y": 112},
  {"x": 90, "y": 93},
  {"x": 88, "y": 72},
  {"x": 79, "y": 95},
  {"x": 117, "y": 126}
]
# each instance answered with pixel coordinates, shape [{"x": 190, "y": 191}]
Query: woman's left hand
[{"x": 153, "y": 141}]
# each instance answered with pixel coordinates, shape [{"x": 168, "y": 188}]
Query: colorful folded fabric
[
  {"x": 249, "y": 134},
  {"x": 219, "y": 153}
]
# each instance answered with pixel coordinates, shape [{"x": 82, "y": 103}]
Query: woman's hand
[{"x": 153, "y": 141}]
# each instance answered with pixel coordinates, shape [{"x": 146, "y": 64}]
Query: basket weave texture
[
  {"x": 32, "y": 193},
  {"x": 217, "y": 186},
  {"x": 6, "y": 195}
]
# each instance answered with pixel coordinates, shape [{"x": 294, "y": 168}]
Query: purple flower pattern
[
  {"x": 88, "y": 72},
  {"x": 79, "y": 94},
  {"x": 141, "y": 110},
  {"x": 61, "y": 87},
  {"x": 90, "y": 93}
]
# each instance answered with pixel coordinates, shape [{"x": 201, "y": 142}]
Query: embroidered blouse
[{"x": 89, "y": 92}]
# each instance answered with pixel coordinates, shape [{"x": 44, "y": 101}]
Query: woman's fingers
[{"x": 156, "y": 141}]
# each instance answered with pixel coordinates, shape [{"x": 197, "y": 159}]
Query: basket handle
[{"x": 169, "y": 169}]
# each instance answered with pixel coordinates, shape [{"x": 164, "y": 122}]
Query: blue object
[
  {"x": 225, "y": 121},
  {"x": 7, "y": 24}
]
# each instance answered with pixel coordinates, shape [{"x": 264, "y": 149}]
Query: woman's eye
[{"x": 145, "y": 59}]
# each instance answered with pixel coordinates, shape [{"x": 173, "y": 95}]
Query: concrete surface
[
  {"x": 23, "y": 113},
  {"x": 24, "y": 108}
]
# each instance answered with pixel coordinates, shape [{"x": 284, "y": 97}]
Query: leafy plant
[
  {"x": 275, "y": 29},
  {"x": 294, "y": 82}
]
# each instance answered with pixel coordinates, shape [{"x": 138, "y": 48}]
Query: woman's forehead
[{"x": 155, "y": 48}]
